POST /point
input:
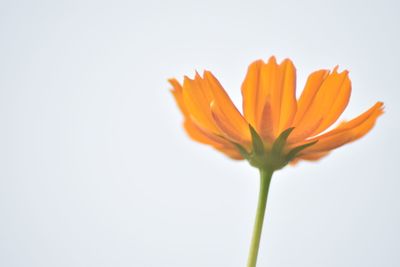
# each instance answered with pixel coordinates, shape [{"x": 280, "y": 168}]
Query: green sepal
[
  {"x": 280, "y": 142},
  {"x": 257, "y": 143},
  {"x": 274, "y": 158},
  {"x": 295, "y": 151},
  {"x": 243, "y": 152}
]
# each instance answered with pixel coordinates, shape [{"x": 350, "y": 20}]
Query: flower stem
[{"x": 265, "y": 180}]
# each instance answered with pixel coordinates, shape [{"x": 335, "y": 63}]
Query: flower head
[{"x": 275, "y": 128}]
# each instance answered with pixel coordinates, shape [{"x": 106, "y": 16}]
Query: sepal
[
  {"x": 295, "y": 151},
  {"x": 243, "y": 152},
  {"x": 257, "y": 142},
  {"x": 273, "y": 157},
  {"x": 280, "y": 142}
]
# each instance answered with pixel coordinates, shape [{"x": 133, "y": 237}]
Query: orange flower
[
  {"x": 270, "y": 107},
  {"x": 275, "y": 128}
]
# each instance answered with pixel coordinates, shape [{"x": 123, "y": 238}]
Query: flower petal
[
  {"x": 376, "y": 109},
  {"x": 225, "y": 109},
  {"x": 314, "y": 156},
  {"x": 311, "y": 88},
  {"x": 324, "y": 103},
  {"x": 257, "y": 91},
  {"x": 193, "y": 130},
  {"x": 177, "y": 93},
  {"x": 348, "y": 131},
  {"x": 200, "y": 135},
  {"x": 270, "y": 89},
  {"x": 218, "y": 143},
  {"x": 250, "y": 89},
  {"x": 227, "y": 127},
  {"x": 337, "y": 107},
  {"x": 194, "y": 99},
  {"x": 298, "y": 134},
  {"x": 288, "y": 105},
  {"x": 197, "y": 101},
  {"x": 266, "y": 132},
  {"x": 231, "y": 152},
  {"x": 274, "y": 85},
  {"x": 309, "y": 157}
]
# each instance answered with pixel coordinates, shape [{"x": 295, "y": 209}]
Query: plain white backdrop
[{"x": 95, "y": 169}]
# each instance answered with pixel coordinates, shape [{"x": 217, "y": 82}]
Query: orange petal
[
  {"x": 200, "y": 135},
  {"x": 274, "y": 85},
  {"x": 226, "y": 127},
  {"x": 348, "y": 131},
  {"x": 311, "y": 88},
  {"x": 218, "y": 143},
  {"x": 288, "y": 105},
  {"x": 337, "y": 107},
  {"x": 194, "y": 131},
  {"x": 197, "y": 102},
  {"x": 226, "y": 109},
  {"x": 309, "y": 157},
  {"x": 250, "y": 89},
  {"x": 270, "y": 89},
  {"x": 266, "y": 120},
  {"x": 257, "y": 92},
  {"x": 327, "y": 103},
  {"x": 194, "y": 99},
  {"x": 298, "y": 134},
  {"x": 330, "y": 142},
  {"x": 177, "y": 93},
  {"x": 375, "y": 109},
  {"x": 230, "y": 152},
  {"x": 314, "y": 156}
]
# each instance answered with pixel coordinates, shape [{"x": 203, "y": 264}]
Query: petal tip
[
  {"x": 272, "y": 59},
  {"x": 379, "y": 107},
  {"x": 176, "y": 86}
]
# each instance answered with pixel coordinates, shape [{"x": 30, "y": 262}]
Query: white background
[{"x": 95, "y": 169}]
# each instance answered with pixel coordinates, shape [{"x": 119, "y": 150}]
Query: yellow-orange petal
[
  {"x": 311, "y": 88},
  {"x": 194, "y": 131},
  {"x": 270, "y": 90},
  {"x": 230, "y": 152},
  {"x": 197, "y": 102},
  {"x": 199, "y": 135},
  {"x": 332, "y": 96},
  {"x": 376, "y": 109},
  {"x": 250, "y": 89},
  {"x": 338, "y": 106},
  {"x": 177, "y": 93},
  {"x": 216, "y": 142},
  {"x": 266, "y": 132},
  {"x": 347, "y": 132},
  {"x": 270, "y": 84},
  {"x": 227, "y": 127},
  {"x": 309, "y": 157},
  {"x": 330, "y": 142},
  {"x": 225, "y": 109},
  {"x": 288, "y": 105},
  {"x": 298, "y": 134},
  {"x": 314, "y": 156}
]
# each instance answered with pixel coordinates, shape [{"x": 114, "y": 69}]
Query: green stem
[{"x": 265, "y": 180}]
